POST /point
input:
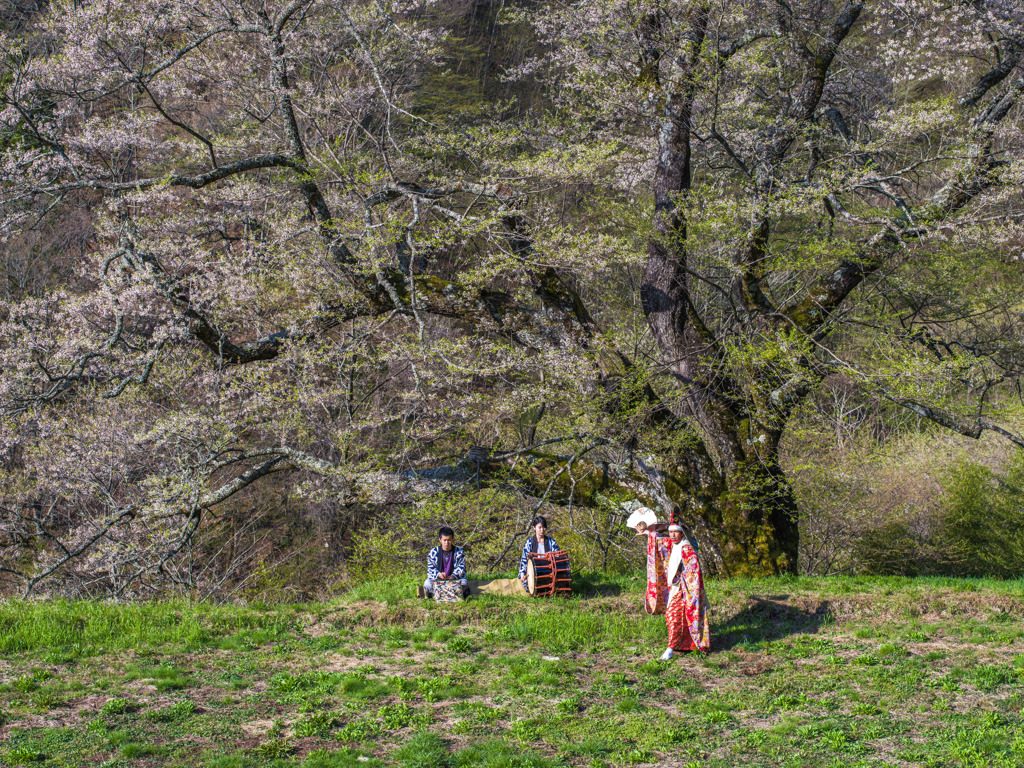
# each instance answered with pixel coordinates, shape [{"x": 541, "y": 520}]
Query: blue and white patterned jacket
[
  {"x": 531, "y": 546},
  {"x": 434, "y": 563}
]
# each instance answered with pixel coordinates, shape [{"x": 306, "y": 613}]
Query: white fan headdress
[{"x": 642, "y": 515}]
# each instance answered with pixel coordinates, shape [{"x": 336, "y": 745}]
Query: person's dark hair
[
  {"x": 444, "y": 530},
  {"x": 538, "y": 520}
]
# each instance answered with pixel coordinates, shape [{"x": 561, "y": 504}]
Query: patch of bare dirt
[
  {"x": 89, "y": 705},
  {"x": 754, "y": 664},
  {"x": 139, "y": 687},
  {"x": 49, "y": 720},
  {"x": 368, "y": 613},
  {"x": 256, "y": 729},
  {"x": 886, "y": 748}
]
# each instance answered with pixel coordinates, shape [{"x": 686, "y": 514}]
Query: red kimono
[
  {"x": 658, "y": 551},
  {"x": 675, "y": 587}
]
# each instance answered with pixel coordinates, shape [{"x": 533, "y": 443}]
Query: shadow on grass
[
  {"x": 586, "y": 586},
  {"x": 768, "y": 618}
]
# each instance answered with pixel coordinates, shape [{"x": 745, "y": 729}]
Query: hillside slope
[{"x": 852, "y": 672}]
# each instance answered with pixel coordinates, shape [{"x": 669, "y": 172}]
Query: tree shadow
[
  {"x": 593, "y": 591},
  {"x": 586, "y": 587},
  {"x": 768, "y": 618}
]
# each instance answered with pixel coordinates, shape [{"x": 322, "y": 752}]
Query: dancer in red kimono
[{"x": 675, "y": 586}]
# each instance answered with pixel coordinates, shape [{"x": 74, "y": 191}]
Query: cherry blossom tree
[
  {"x": 300, "y": 260},
  {"x": 815, "y": 170}
]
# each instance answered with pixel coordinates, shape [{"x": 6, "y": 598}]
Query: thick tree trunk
[
  {"x": 759, "y": 520},
  {"x": 736, "y": 490},
  {"x": 741, "y": 513},
  {"x": 743, "y": 504}
]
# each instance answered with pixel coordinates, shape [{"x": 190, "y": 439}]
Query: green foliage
[
  {"x": 360, "y": 687},
  {"x": 498, "y": 754},
  {"x": 118, "y": 706},
  {"x": 424, "y": 750},
  {"x": 316, "y": 682},
  {"x": 828, "y": 691},
  {"x": 989, "y": 677},
  {"x": 395, "y": 716},
  {"x": 459, "y": 645},
  {"x": 25, "y": 683},
  {"x": 25, "y": 756},
  {"x": 379, "y": 554},
  {"x": 627, "y": 705},
  {"x": 169, "y": 679},
  {"x": 439, "y": 688},
  {"x": 977, "y": 531},
  {"x": 564, "y": 628},
  {"x": 983, "y": 527},
  {"x": 175, "y": 713},
  {"x": 133, "y": 750},
  {"x": 570, "y": 706},
  {"x": 316, "y": 724},
  {"x": 358, "y": 730},
  {"x": 274, "y": 748}
]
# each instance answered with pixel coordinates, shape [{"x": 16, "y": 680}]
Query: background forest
[{"x": 286, "y": 285}]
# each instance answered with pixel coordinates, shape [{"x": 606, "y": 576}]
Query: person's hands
[
  {"x": 641, "y": 528},
  {"x": 442, "y": 577}
]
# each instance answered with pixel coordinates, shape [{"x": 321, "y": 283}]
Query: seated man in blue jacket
[{"x": 445, "y": 562}]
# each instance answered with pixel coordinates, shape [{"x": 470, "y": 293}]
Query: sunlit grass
[
  {"x": 83, "y": 627},
  {"x": 804, "y": 673}
]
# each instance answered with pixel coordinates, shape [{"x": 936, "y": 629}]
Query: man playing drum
[{"x": 445, "y": 562}]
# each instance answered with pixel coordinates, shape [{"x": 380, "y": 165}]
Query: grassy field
[{"x": 804, "y": 672}]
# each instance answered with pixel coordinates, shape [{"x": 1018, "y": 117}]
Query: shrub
[
  {"x": 973, "y": 529},
  {"x": 380, "y": 554},
  {"x": 982, "y": 532}
]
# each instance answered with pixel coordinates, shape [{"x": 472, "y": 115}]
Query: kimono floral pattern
[
  {"x": 658, "y": 550},
  {"x": 687, "y": 613}
]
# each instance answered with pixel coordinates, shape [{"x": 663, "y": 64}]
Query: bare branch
[{"x": 1011, "y": 50}]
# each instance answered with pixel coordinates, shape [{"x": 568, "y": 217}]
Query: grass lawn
[{"x": 804, "y": 672}]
